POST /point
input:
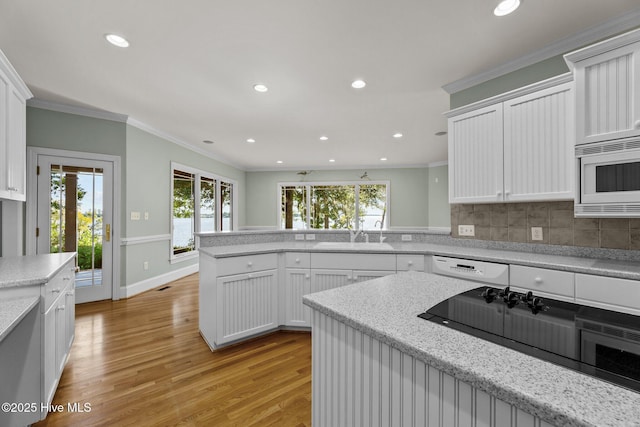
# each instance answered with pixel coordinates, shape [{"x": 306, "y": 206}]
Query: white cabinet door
[
  {"x": 49, "y": 331},
  {"x": 364, "y": 275},
  {"x": 607, "y": 92},
  {"x": 70, "y": 321},
  {"x": 246, "y": 305},
  {"x": 475, "y": 156},
  {"x": 297, "y": 284},
  {"x": 538, "y": 145},
  {"x": 5, "y": 89},
  {"x": 324, "y": 279}
]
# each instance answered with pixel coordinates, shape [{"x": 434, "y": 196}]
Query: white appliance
[
  {"x": 609, "y": 179},
  {"x": 478, "y": 271}
]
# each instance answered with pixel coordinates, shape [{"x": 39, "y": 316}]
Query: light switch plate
[
  {"x": 299, "y": 236},
  {"x": 407, "y": 237},
  {"x": 467, "y": 230}
]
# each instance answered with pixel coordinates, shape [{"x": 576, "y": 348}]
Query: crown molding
[
  {"x": 436, "y": 164},
  {"x": 14, "y": 77},
  {"x": 610, "y": 28},
  {"x": 161, "y": 134},
  {"x": 534, "y": 87},
  {"x": 76, "y": 110}
]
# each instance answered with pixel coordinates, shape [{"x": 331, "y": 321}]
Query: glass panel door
[{"x": 76, "y": 219}]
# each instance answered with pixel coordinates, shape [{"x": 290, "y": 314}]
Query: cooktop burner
[{"x": 597, "y": 342}]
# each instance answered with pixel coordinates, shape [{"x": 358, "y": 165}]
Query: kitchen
[{"x": 148, "y": 162}]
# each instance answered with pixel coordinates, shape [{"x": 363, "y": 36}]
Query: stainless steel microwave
[{"x": 608, "y": 179}]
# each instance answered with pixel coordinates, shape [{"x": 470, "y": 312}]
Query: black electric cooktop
[{"x": 601, "y": 343}]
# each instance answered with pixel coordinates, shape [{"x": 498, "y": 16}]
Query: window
[
  {"x": 214, "y": 198},
  {"x": 334, "y": 205}
]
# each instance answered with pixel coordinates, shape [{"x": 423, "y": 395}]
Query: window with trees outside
[
  {"x": 201, "y": 202},
  {"x": 334, "y": 205}
]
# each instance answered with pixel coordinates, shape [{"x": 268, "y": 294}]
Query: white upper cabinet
[
  {"x": 13, "y": 96},
  {"x": 475, "y": 156},
  {"x": 538, "y": 145},
  {"x": 607, "y": 77},
  {"x": 514, "y": 147}
]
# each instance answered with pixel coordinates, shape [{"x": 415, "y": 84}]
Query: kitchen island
[{"x": 376, "y": 363}]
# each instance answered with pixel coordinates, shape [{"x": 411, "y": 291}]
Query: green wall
[
  {"x": 409, "y": 204},
  {"x": 145, "y": 180},
  {"x": 439, "y": 210}
]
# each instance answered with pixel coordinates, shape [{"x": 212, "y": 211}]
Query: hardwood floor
[{"x": 142, "y": 362}]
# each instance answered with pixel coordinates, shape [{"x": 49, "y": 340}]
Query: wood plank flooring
[{"x": 142, "y": 362}]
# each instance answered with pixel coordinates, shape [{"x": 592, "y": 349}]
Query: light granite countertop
[
  {"x": 31, "y": 270},
  {"x": 601, "y": 267},
  {"x": 387, "y": 310},
  {"x": 12, "y": 311}
]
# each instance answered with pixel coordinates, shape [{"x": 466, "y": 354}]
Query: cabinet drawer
[
  {"x": 297, "y": 260},
  {"x": 410, "y": 263},
  {"x": 609, "y": 293},
  {"x": 542, "y": 281},
  {"x": 57, "y": 285},
  {"x": 246, "y": 264},
  {"x": 354, "y": 261}
]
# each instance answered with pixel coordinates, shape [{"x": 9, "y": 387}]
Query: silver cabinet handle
[
  {"x": 61, "y": 308},
  {"x": 55, "y": 291},
  {"x": 70, "y": 294},
  {"x": 12, "y": 189}
]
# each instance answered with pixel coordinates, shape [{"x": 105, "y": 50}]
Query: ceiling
[{"x": 191, "y": 66}]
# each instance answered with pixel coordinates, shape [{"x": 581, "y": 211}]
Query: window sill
[{"x": 184, "y": 257}]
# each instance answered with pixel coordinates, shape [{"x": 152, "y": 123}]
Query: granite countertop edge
[
  {"x": 31, "y": 270},
  {"x": 601, "y": 267},
  {"x": 12, "y": 311},
  {"x": 513, "y": 391}
]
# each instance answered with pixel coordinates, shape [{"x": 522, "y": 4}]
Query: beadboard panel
[{"x": 360, "y": 381}]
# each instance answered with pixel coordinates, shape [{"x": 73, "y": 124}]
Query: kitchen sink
[{"x": 357, "y": 246}]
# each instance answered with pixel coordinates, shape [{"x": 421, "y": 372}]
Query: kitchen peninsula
[{"x": 376, "y": 363}]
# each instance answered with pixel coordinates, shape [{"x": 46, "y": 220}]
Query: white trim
[
  {"x": 614, "y": 26},
  {"x": 154, "y": 282},
  {"x": 525, "y": 90},
  {"x": 254, "y": 228},
  {"x": 176, "y": 259},
  {"x": 76, "y": 110},
  {"x": 338, "y": 168},
  {"x": 437, "y": 164},
  {"x": 161, "y": 134},
  {"x": 14, "y": 77},
  {"x": 128, "y": 241},
  {"x": 602, "y": 47},
  {"x": 32, "y": 203}
]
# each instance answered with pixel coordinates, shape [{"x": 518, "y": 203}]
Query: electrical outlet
[
  {"x": 135, "y": 216},
  {"x": 407, "y": 237},
  {"x": 536, "y": 233},
  {"x": 299, "y": 236},
  {"x": 146, "y": 216},
  {"x": 145, "y": 265},
  {"x": 310, "y": 236},
  {"x": 467, "y": 230}
]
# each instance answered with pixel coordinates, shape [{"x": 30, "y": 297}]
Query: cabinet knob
[
  {"x": 55, "y": 291},
  {"x": 249, "y": 264},
  {"x": 538, "y": 280},
  {"x": 61, "y": 308},
  {"x": 70, "y": 294},
  {"x": 410, "y": 263},
  {"x": 306, "y": 276},
  {"x": 499, "y": 193},
  {"x": 297, "y": 260}
]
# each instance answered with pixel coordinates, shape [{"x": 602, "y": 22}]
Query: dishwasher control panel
[{"x": 479, "y": 271}]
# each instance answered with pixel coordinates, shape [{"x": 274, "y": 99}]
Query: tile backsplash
[{"x": 512, "y": 222}]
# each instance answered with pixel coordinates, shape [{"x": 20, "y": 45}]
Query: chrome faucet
[
  {"x": 375, "y": 225},
  {"x": 353, "y": 234}
]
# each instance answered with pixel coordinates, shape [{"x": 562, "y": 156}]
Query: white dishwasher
[{"x": 478, "y": 271}]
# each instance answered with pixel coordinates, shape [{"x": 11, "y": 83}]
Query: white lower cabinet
[
  {"x": 297, "y": 284},
  {"x": 542, "y": 282},
  {"x": 246, "y": 305},
  {"x": 609, "y": 293}
]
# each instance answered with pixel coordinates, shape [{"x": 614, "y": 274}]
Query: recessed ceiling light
[
  {"x": 505, "y": 7},
  {"x": 332, "y": 160},
  {"x": 441, "y": 133},
  {"x": 208, "y": 141},
  {"x": 260, "y": 88},
  {"x": 116, "y": 40},
  {"x": 251, "y": 140},
  {"x": 383, "y": 159},
  {"x": 397, "y": 135},
  {"x": 358, "y": 84},
  {"x": 279, "y": 162},
  {"x": 324, "y": 138}
]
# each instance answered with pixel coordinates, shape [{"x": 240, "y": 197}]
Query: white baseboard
[{"x": 154, "y": 282}]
